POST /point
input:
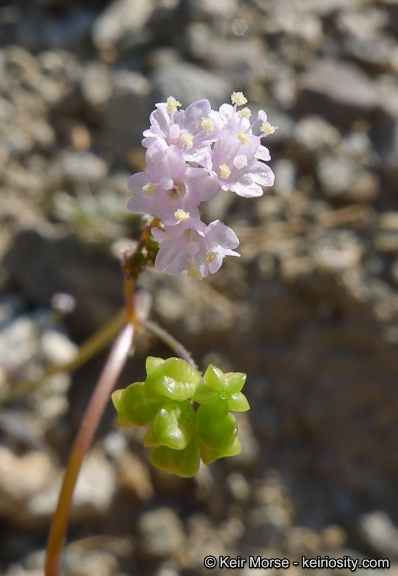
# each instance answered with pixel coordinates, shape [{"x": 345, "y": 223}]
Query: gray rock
[
  {"x": 57, "y": 348},
  {"x": 285, "y": 177},
  {"x": 10, "y": 306},
  {"x": 81, "y": 562},
  {"x": 18, "y": 342},
  {"x": 374, "y": 57},
  {"x": 223, "y": 8},
  {"x": 386, "y": 237},
  {"x": 120, "y": 20},
  {"x": 96, "y": 84},
  {"x": 126, "y": 115},
  {"x": 82, "y": 168},
  {"x": 341, "y": 176},
  {"x": 188, "y": 83},
  {"x": 319, "y": 7},
  {"x": 314, "y": 136},
  {"x": 339, "y": 92},
  {"x": 96, "y": 485},
  {"x": 336, "y": 175},
  {"x": 284, "y": 86},
  {"x": 366, "y": 187},
  {"x": 364, "y": 39},
  {"x": 196, "y": 40},
  {"x": 380, "y": 534},
  {"x": 162, "y": 533},
  {"x": 18, "y": 484},
  {"x": 367, "y": 23},
  {"x": 385, "y": 140},
  {"x": 40, "y": 31},
  {"x": 241, "y": 61},
  {"x": 266, "y": 525},
  {"x": 358, "y": 146},
  {"x": 42, "y": 267},
  {"x": 307, "y": 28},
  {"x": 338, "y": 252},
  {"x": 95, "y": 489}
]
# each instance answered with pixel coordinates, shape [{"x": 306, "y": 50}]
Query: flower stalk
[{"x": 83, "y": 441}]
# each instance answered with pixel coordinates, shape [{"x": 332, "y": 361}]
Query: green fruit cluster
[{"x": 181, "y": 435}]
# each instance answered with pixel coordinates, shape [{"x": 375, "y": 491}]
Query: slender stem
[
  {"x": 129, "y": 293},
  {"x": 145, "y": 234},
  {"x": 170, "y": 341},
  {"x": 132, "y": 264},
  {"x": 87, "y": 350},
  {"x": 85, "y": 436},
  {"x": 132, "y": 317}
]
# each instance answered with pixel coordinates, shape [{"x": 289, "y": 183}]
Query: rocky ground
[{"x": 310, "y": 311}]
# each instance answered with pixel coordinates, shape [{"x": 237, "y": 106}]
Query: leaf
[
  {"x": 184, "y": 463},
  {"x": 173, "y": 426}
]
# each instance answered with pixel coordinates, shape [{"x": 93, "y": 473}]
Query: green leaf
[
  {"x": 209, "y": 454},
  {"x": 235, "y": 381},
  {"x": 173, "y": 426},
  {"x": 183, "y": 463},
  {"x": 238, "y": 402},
  {"x": 214, "y": 378},
  {"x": 234, "y": 449},
  {"x": 133, "y": 408},
  {"x": 173, "y": 378},
  {"x": 152, "y": 363},
  {"x": 218, "y": 387},
  {"x": 216, "y": 439}
]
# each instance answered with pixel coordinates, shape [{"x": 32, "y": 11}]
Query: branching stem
[{"x": 171, "y": 342}]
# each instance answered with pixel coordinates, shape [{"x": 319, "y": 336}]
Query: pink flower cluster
[{"x": 191, "y": 154}]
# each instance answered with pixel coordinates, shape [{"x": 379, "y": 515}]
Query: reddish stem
[{"x": 85, "y": 436}]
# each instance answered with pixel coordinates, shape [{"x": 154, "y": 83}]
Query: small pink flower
[
  {"x": 169, "y": 185},
  {"x": 198, "y": 250},
  {"x": 190, "y": 130},
  {"x": 234, "y": 158},
  {"x": 190, "y": 155}
]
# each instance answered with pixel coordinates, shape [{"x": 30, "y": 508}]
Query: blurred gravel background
[{"x": 310, "y": 311}]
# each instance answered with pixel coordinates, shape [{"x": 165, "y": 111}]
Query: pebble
[
  {"x": 126, "y": 115},
  {"x": 223, "y": 8},
  {"x": 343, "y": 254},
  {"x": 66, "y": 265},
  {"x": 57, "y": 348},
  {"x": 374, "y": 57},
  {"x": 315, "y": 136},
  {"x": 189, "y": 83},
  {"x": 98, "y": 562},
  {"x": 96, "y": 84},
  {"x": 18, "y": 342},
  {"x": 120, "y": 20},
  {"x": 380, "y": 534},
  {"x": 161, "y": 533},
  {"x": 320, "y": 7},
  {"x": 18, "y": 485},
  {"x": 94, "y": 492},
  {"x": 338, "y": 91},
  {"x": 82, "y": 168},
  {"x": 336, "y": 175},
  {"x": 285, "y": 177},
  {"x": 41, "y": 31},
  {"x": 134, "y": 477},
  {"x": 241, "y": 61}
]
